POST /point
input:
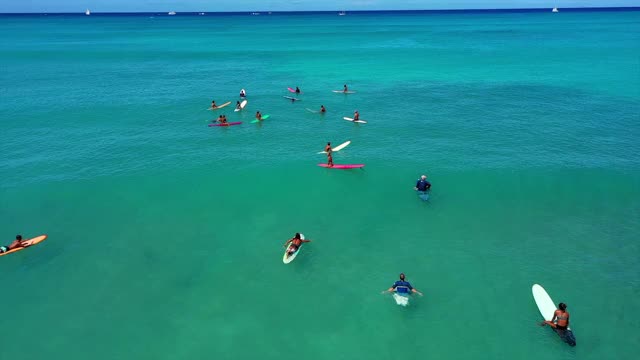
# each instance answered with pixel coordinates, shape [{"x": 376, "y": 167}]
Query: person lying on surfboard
[
  {"x": 295, "y": 242},
  {"x": 322, "y": 109},
  {"x": 17, "y": 243},
  {"x": 422, "y": 185},
  {"x": 356, "y": 116},
  {"x": 403, "y": 287},
  {"x": 560, "y": 319},
  {"x": 258, "y": 116}
]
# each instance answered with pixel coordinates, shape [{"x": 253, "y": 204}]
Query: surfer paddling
[
  {"x": 295, "y": 242},
  {"x": 17, "y": 243},
  {"x": 403, "y": 287}
]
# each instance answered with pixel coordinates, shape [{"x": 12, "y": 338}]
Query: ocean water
[{"x": 165, "y": 235}]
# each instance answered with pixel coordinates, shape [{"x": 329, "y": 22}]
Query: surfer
[
  {"x": 224, "y": 119},
  {"x": 329, "y": 152},
  {"x": 258, "y": 116},
  {"x": 297, "y": 90},
  {"x": 560, "y": 319},
  {"x": 213, "y": 104},
  {"x": 238, "y": 107},
  {"x": 356, "y": 115},
  {"x": 295, "y": 242},
  {"x": 403, "y": 287},
  {"x": 345, "y": 88},
  {"x": 423, "y": 185},
  {"x": 243, "y": 93},
  {"x": 322, "y": 109},
  {"x": 17, "y": 243}
]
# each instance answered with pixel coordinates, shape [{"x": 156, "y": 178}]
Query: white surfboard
[
  {"x": 312, "y": 111},
  {"x": 242, "y": 105},
  {"x": 358, "y": 121},
  {"x": 402, "y": 300},
  {"x": 287, "y": 259},
  {"x": 343, "y": 92},
  {"x": 546, "y": 306},
  {"x": 338, "y": 148}
]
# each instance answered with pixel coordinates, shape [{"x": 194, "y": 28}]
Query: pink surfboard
[
  {"x": 227, "y": 124},
  {"x": 293, "y": 90},
  {"x": 336, "y": 166}
]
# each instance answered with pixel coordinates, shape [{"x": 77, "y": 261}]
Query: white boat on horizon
[
  {"x": 555, "y": 9},
  {"x": 342, "y": 13},
  {"x": 172, "y": 13},
  {"x": 88, "y": 12}
]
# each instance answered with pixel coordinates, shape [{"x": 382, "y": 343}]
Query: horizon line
[{"x": 327, "y": 11}]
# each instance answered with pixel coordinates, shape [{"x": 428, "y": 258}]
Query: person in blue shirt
[
  {"x": 403, "y": 287},
  {"x": 423, "y": 185}
]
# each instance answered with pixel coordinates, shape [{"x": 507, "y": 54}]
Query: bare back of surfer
[
  {"x": 213, "y": 104},
  {"x": 294, "y": 243},
  {"x": 345, "y": 88},
  {"x": 560, "y": 319},
  {"x": 322, "y": 109},
  {"x": 258, "y": 116},
  {"x": 17, "y": 243},
  {"x": 356, "y": 116}
]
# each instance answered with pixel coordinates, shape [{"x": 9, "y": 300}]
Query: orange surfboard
[{"x": 29, "y": 243}]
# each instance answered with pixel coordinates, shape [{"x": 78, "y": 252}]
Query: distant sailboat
[
  {"x": 555, "y": 9},
  {"x": 88, "y": 12},
  {"x": 342, "y": 13},
  {"x": 172, "y": 12}
]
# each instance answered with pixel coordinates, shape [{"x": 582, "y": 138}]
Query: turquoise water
[{"x": 165, "y": 235}]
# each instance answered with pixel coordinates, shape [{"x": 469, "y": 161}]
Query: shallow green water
[{"x": 165, "y": 235}]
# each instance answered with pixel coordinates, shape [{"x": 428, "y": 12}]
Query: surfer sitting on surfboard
[
  {"x": 295, "y": 242},
  {"x": 18, "y": 242},
  {"x": 403, "y": 287},
  {"x": 322, "y": 109},
  {"x": 213, "y": 104},
  {"x": 297, "y": 90},
  {"x": 238, "y": 107},
  {"x": 560, "y": 319},
  {"x": 258, "y": 116},
  {"x": 356, "y": 115},
  {"x": 423, "y": 185},
  {"x": 243, "y": 93},
  {"x": 345, "y": 88}
]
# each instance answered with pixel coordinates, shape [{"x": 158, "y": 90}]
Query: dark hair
[
  {"x": 297, "y": 236},
  {"x": 329, "y": 143},
  {"x": 562, "y": 306},
  {"x": 401, "y": 276},
  {"x": 18, "y": 237}
]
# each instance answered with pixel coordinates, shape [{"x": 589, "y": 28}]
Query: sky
[{"x": 51, "y": 6}]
